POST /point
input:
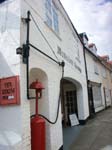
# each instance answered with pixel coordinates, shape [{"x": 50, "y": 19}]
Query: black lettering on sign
[
  {"x": 8, "y": 84},
  {"x": 5, "y": 97},
  {"x": 8, "y": 91}
]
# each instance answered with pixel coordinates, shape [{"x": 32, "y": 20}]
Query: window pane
[
  {"x": 95, "y": 68},
  {"x": 55, "y": 20},
  {"x": 97, "y": 96},
  {"x": 48, "y": 6},
  {"x": 104, "y": 72},
  {"x": 49, "y": 21},
  {"x": 49, "y": 1}
]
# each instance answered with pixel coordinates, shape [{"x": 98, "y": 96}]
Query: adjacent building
[{"x": 99, "y": 77}]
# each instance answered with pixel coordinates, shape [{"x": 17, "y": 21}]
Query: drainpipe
[
  {"x": 84, "y": 53},
  {"x": 27, "y": 55},
  {"x": 87, "y": 81}
]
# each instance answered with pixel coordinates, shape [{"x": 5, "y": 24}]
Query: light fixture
[{"x": 19, "y": 51}]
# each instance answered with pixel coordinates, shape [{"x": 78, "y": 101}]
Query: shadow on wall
[
  {"x": 10, "y": 118},
  {"x": 77, "y": 83},
  {"x": 5, "y": 70}
]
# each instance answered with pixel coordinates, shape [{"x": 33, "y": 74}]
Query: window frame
[
  {"x": 96, "y": 71},
  {"x": 52, "y": 15},
  {"x": 104, "y": 74}
]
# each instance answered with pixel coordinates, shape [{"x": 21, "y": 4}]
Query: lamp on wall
[
  {"x": 19, "y": 51},
  {"x": 24, "y": 51}
]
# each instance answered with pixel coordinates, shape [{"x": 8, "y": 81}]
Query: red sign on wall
[{"x": 9, "y": 91}]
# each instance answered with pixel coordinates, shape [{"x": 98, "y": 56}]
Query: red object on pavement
[
  {"x": 37, "y": 123},
  {"x": 37, "y": 133}
]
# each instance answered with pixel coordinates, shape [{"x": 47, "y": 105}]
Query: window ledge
[{"x": 53, "y": 31}]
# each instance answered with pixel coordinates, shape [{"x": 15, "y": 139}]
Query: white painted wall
[{"x": 10, "y": 116}]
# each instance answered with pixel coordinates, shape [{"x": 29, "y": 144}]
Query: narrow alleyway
[{"x": 96, "y": 134}]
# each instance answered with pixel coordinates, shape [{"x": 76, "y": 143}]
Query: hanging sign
[{"x": 9, "y": 91}]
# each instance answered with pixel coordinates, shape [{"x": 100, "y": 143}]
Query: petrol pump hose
[{"x": 59, "y": 99}]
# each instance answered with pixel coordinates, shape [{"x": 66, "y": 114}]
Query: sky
[{"x": 95, "y": 18}]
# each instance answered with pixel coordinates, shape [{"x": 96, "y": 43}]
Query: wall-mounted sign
[
  {"x": 68, "y": 59},
  {"x": 9, "y": 91}
]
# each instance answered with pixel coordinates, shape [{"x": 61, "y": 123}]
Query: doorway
[{"x": 69, "y": 102}]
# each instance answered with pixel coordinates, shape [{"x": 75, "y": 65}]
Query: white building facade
[
  {"x": 99, "y": 76},
  {"x": 52, "y": 32}
]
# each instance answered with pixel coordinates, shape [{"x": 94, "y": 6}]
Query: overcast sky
[{"x": 95, "y": 18}]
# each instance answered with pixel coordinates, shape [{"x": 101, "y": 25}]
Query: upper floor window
[
  {"x": 96, "y": 68},
  {"x": 52, "y": 15},
  {"x": 48, "y": 6},
  {"x": 55, "y": 20},
  {"x": 104, "y": 72},
  {"x": 76, "y": 46},
  {"x": 48, "y": 13}
]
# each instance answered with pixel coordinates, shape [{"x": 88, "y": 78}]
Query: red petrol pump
[{"x": 37, "y": 123}]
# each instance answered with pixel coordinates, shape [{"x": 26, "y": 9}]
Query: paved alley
[{"x": 96, "y": 134}]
